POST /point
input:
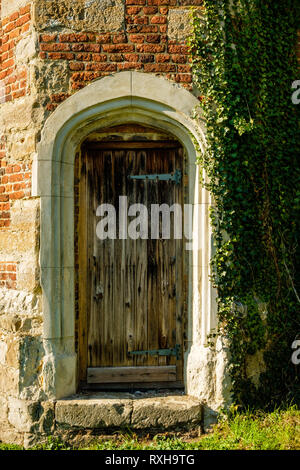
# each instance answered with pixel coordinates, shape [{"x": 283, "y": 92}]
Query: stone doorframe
[{"x": 117, "y": 99}]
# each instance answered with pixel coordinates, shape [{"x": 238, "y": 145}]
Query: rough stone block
[
  {"x": 94, "y": 413},
  {"x": 9, "y": 380},
  {"x": 80, "y": 15},
  {"x": 23, "y": 415},
  {"x": 166, "y": 413},
  {"x": 180, "y": 23}
]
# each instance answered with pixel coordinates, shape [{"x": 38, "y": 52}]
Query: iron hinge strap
[
  {"x": 176, "y": 177},
  {"x": 158, "y": 352}
]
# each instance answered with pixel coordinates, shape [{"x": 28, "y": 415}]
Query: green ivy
[{"x": 244, "y": 63}]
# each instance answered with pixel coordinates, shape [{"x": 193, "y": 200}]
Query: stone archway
[{"x": 117, "y": 99}]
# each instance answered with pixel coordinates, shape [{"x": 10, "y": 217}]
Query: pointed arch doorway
[{"x": 115, "y": 100}]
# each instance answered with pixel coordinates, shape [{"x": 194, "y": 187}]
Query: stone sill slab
[{"x": 109, "y": 411}]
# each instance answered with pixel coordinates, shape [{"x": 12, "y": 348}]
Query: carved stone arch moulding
[{"x": 117, "y": 99}]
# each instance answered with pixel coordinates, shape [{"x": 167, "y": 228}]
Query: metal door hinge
[
  {"x": 176, "y": 177},
  {"x": 158, "y": 352}
]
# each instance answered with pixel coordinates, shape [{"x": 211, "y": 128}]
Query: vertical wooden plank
[
  {"x": 141, "y": 294},
  {"x": 82, "y": 269},
  {"x": 130, "y": 267},
  {"x": 179, "y": 311}
]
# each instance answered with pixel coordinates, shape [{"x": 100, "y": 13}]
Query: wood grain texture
[
  {"x": 131, "y": 290},
  {"x": 131, "y": 374}
]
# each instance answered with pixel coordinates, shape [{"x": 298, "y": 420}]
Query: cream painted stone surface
[
  {"x": 80, "y": 15},
  {"x": 10, "y": 6}
]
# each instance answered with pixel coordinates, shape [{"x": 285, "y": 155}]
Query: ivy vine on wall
[{"x": 244, "y": 63}]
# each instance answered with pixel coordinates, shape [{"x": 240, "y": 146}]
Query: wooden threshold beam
[{"x": 131, "y": 374}]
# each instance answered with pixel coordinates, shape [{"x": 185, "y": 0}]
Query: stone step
[{"x": 111, "y": 411}]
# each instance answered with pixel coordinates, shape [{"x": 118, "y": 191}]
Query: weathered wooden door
[{"x": 131, "y": 291}]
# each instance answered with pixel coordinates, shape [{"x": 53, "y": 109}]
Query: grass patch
[{"x": 278, "y": 430}]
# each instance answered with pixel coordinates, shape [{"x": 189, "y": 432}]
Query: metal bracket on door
[
  {"x": 176, "y": 177},
  {"x": 158, "y": 352}
]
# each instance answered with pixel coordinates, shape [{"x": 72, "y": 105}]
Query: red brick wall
[
  {"x": 143, "y": 46},
  {"x": 8, "y": 274},
  {"x": 13, "y": 79},
  {"x": 15, "y": 179}
]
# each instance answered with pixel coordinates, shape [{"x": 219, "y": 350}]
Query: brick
[
  {"x": 14, "y": 34},
  {"x": 185, "y": 78},
  {"x": 24, "y": 10},
  {"x": 119, "y": 38},
  {"x": 104, "y": 67},
  {"x": 137, "y": 28},
  {"x": 162, "y": 2},
  {"x": 150, "y": 10},
  {"x": 137, "y": 38},
  {"x": 8, "y": 63},
  {"x": 17, "y": 195},
  {"x": 159, "y": 20},
  {"x": 163, "y": 57},
  {"x": 16, "y": 168},
  {"x": 76, "y": 66},
  {"x": 48, "y": 37},
  {"x": 141, "y": 20},
  {"x": 54, "y": 47},
  {"x": 103, "y": 38},
  {"x": 133, "y": 10},
  {"x": 99, "y": 57},
  {"x": 160, "y": 68},
  {"x": 184, "y": 68},
  {"x": 118, "y": 48},
  {"x": 130, "y": 66},
  {"x": 84, "y": 56},
  {"x": 179, "y": 59},
  {"x": 61, "y": 55},
  {"x": 15, "y": 178},
  {"x": 178, "y": 49},
  {"x": 131, "y": 57},
  {"x": 19, "y": 94},
  {"x": 116, "y": 57},
  {"x": 145, "y": 58},
  {"x": 22, "y": 20},
  {"x": 25, "y": 28},
  {"x": 135, "y": 2},
  {"x": 10, "y": 27},
  {"x": 153, "y": 38}
]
